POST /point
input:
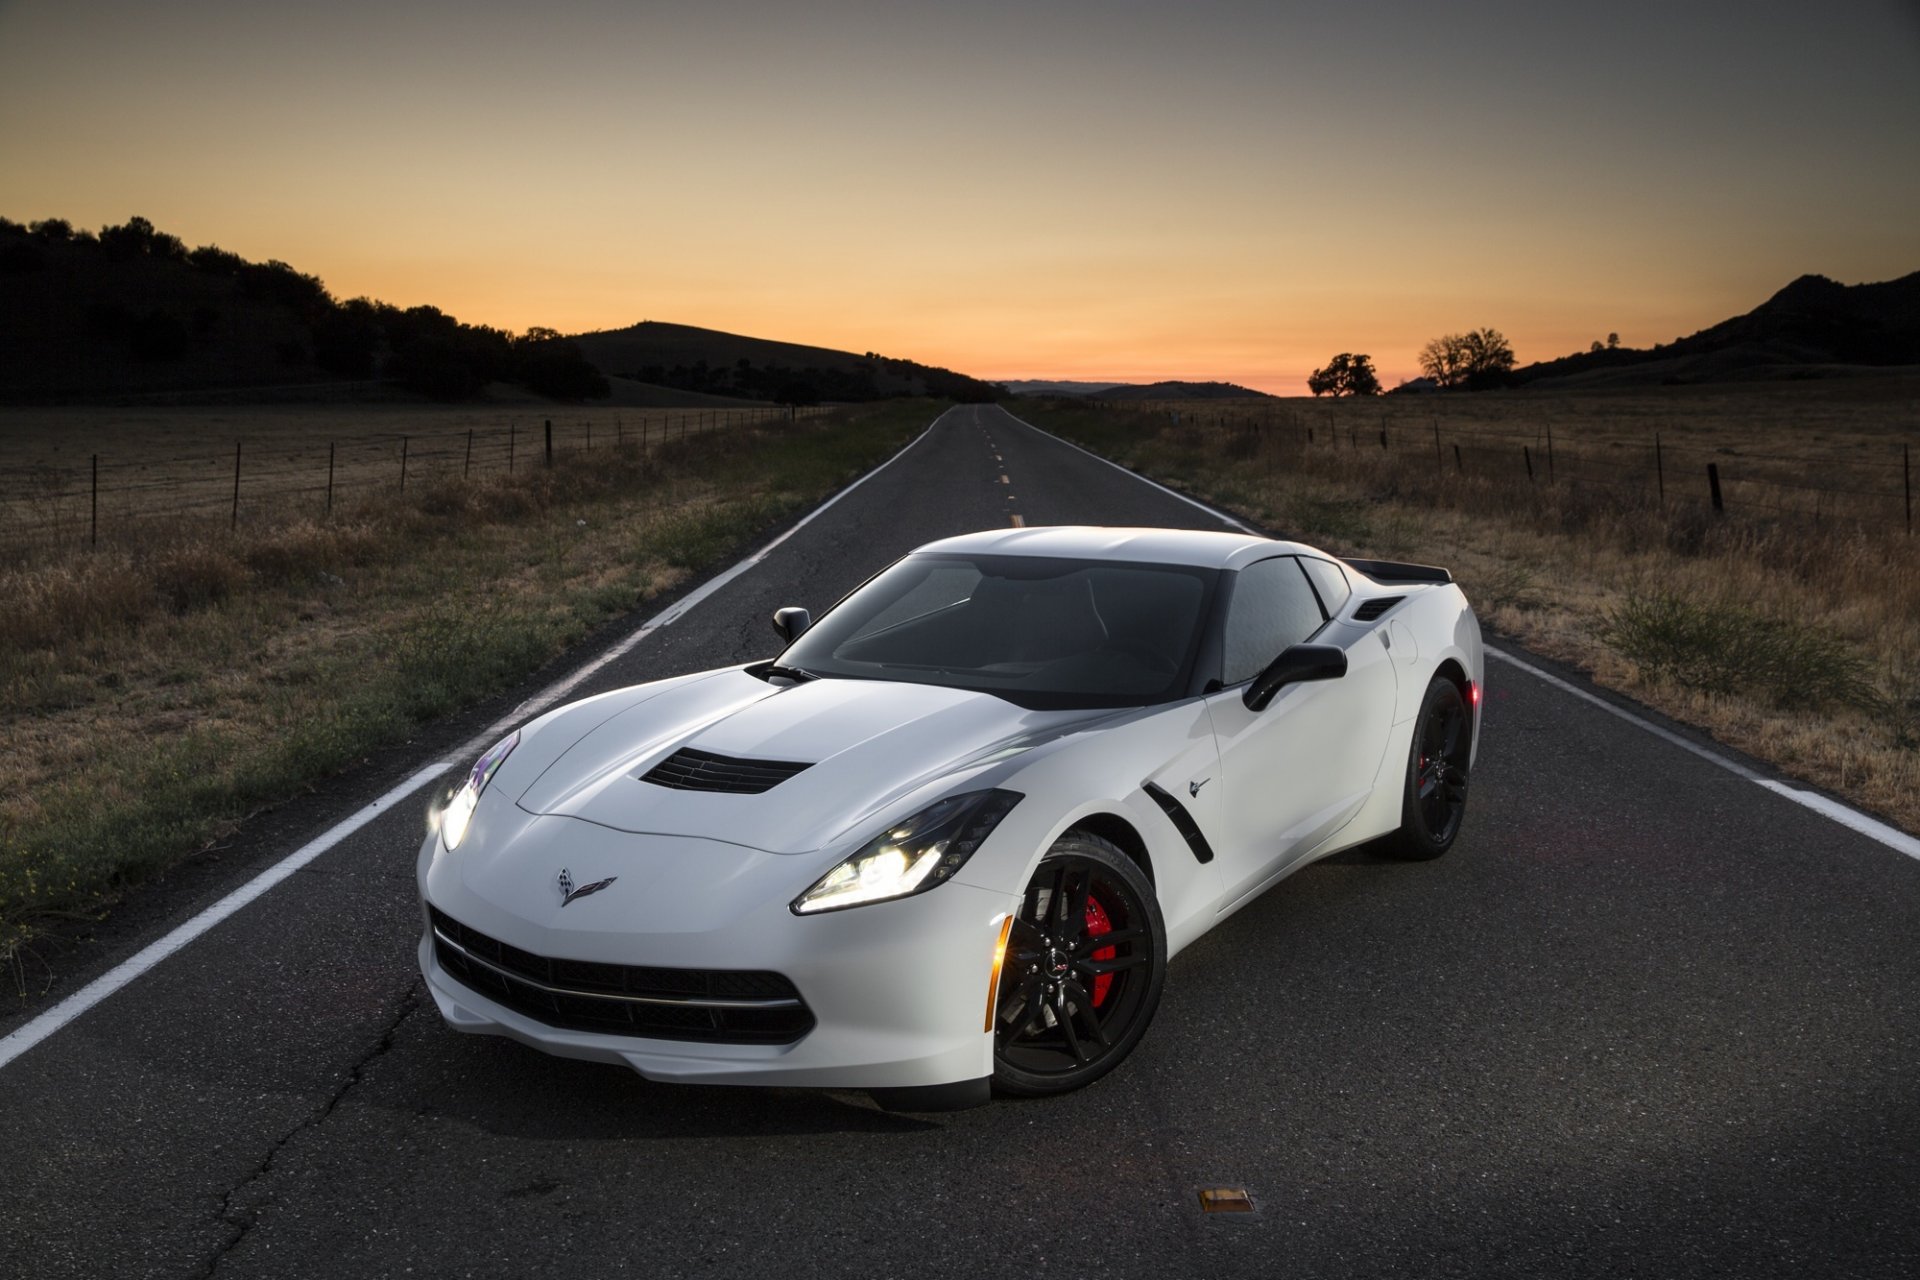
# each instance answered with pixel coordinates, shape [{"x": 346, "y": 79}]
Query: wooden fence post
[
  {"x": 235, "y": 523},
  {"x": 1906, "y": 481},
  {"x": 510, "y": 431},
  {"x": 466, "y": 468},
  {"x": 1458, "y": 464},
  {"x": 1549, "y": 453},
  {"x": 1660, "y": 468},
  {"x": 403, "y": 464},
  {"x": 329, "y": 477},
  {"x": 549, "y": 442},
  {"x": 93, "y": 524},
  {"x": 1439, "y": 459},
  {"x": 1713, "y": 483},
  {"x": 1527, "y": 454}
]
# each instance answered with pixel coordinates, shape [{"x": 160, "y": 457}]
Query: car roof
[{"x": 1196, "y": 547}]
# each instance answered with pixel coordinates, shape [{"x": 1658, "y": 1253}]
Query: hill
[
  {"x": 132, "y": 312},
  {"x": 710, "y": 362},
  {"x": 1815, "y": 327},
  {"x": 1184, "y": 391},
  {"x": 1041, "y": 387}
]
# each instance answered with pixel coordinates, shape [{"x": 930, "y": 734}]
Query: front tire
[
  {"x": 1434, "y": 799},
  {"x": 1085, "y": 962}
]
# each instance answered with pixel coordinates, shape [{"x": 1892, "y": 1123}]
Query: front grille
[
  {"x": 724, "y": 1006},
  {"x": 690, "y": 770},
  {"x": 1375, "y": 607}
]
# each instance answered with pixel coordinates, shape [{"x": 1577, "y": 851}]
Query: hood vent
[
  {"x": 1373, "y": 608},
  {"x": 690, "y": 770}
]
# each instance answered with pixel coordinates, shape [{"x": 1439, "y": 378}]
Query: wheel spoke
[
  {"x": 1113, "y": 938},
  {"x": 1083, "y": 1004},
  {"x": 1064, "y": 1016},
  {"x": 1098, "y": 968},
  {"x": 1076, "y": 917},
  {"x": 1033, "y": 1018}
]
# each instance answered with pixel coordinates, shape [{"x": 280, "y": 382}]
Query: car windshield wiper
[{"x": 791, "y": 673}]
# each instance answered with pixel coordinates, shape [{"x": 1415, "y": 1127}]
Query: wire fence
[
  {"x": 277, "y": 475},
  {"x": 1868, "y": 485}
]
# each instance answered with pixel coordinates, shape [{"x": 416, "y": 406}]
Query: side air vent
[
  {"x": 690, "y": 770},
  {"x": 1182, "y": 822},
  {"x": 1372, "y": 609}
]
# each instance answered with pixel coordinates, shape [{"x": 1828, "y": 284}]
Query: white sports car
[{"x": 947, "y": 841}]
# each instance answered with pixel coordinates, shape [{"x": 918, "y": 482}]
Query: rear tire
[
  {"x": 1434, "y": 790},
  {"x": 1085, "y": 963}
]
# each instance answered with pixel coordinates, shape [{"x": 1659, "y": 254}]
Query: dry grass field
[
  {"x": 294, "y": 460},
  {"x": 1786, "y": 624},
  {"x": 157, "y": 690}
]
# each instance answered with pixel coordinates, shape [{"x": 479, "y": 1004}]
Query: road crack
[{"x": 241, "y": 1217}]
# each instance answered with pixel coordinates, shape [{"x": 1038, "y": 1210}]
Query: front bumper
[{"x": 897, "y": 991}]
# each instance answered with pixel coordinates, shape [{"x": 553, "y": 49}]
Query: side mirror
[
  {"x": 1294, "y": 665},
  {"x": 791, "y": 621}
]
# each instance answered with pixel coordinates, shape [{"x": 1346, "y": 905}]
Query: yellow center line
[{"x": 1003, "y": 478}]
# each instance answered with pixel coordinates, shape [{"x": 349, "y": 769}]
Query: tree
[
  {"x": 1613, "y": 341},
  {"x": 1477, "y": 359},
  {"x": 1347, "y": 374}
]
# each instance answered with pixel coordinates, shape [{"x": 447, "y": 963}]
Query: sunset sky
[{"x": 1042, "y": 189}]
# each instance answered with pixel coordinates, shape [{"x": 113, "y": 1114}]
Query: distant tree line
[{"x": 421, "y": 348}]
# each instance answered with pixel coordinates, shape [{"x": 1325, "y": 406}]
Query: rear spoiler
[{"x": 1394, "y": 571}]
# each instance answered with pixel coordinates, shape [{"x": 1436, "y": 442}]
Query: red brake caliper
[{"x": 1097, "y": 925}]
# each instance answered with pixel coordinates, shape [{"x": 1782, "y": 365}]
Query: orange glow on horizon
[{"x": 1063, "y": 192}]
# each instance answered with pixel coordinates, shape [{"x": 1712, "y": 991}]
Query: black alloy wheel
[
  {"x": 1085, "y": 962},
  {"x": 1436, "y": 785}
]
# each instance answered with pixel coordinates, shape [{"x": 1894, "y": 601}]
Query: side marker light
[{"x": 999, "y": 958}]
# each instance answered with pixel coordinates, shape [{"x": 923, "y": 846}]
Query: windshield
[{"x": 1041, "y": 632}]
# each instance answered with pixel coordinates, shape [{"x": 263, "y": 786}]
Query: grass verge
[{"x": 156, "y": 696}]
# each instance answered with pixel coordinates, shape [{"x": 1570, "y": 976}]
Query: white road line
[
  {"x": 1848, "y": 817},
  {"x": 1853, "y": 819},
  {"x": 1217, "y": 514},
  {"x": 29, "y": 1034},
  {"x": 26, "y": 1036}
]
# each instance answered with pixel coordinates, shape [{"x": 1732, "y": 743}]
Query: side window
[
  {"x": 1272, "y": 607},
  {"x": 1330, "y": 582}
]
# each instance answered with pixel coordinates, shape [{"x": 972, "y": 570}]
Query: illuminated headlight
[
  {"x": 459, "y": 811},
  {"x": 911, "y": 856}
]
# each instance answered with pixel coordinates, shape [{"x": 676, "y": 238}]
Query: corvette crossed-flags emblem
[{"x": 568, "y": 893}]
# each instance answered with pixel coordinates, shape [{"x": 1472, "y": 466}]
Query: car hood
[{"x": 866, "y": 744}]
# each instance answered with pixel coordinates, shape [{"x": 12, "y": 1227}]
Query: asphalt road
[{"x": 1646, "y": 1019}]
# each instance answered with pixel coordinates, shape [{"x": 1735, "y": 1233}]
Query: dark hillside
[
  {"x": 729, "y": 364},
  {"x": 1814, "y": 327},
  {"x": 1183, "y": 391}
]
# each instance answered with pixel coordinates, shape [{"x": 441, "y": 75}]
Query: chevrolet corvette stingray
[{"x": 946, "y": 842}]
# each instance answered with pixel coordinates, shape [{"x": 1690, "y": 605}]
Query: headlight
[
  {"x": 459, "y": 811},
  {"x": 911, "y": 856}
]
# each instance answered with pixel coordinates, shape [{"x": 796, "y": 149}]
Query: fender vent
[
  {"x": 1372, "y": 609},
  {"x": 690, "y": 770},
  {"x": 1182, "y": 822}
]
